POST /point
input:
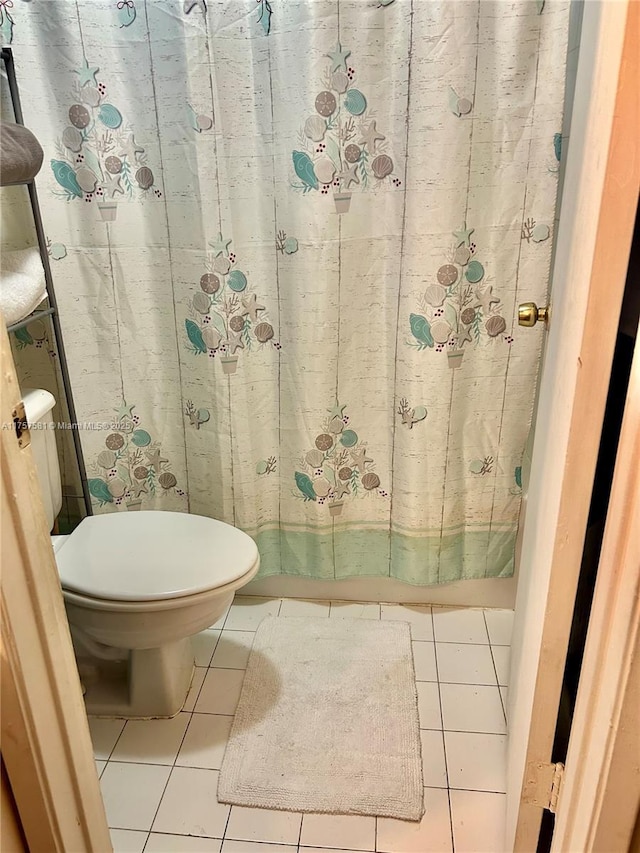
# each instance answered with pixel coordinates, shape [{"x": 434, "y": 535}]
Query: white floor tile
[
  {"x": 434, "y": 768},
  {"x": 464, "y": 663},
  {"x": 303, "y": 607},
  {"x": 196, "y": 683},
  {"x": 429, "y": 705},
  {"x": 431, "y": 835},
  {"x": 230, "y": 846},
  {"x": 104, "y": 734},
  {"x": 205, "y": 742},
  {"x": 232, "y": 652},
  {"x": 190, "y": 805},
  {"x": 162, "y": 843},
  {"x": 100, "y": 765},
  {"x": 128, "y": 840},
  {"x": 203, "y": 645},
  {"x": 354, "y": 610},
  {"x": 131, "y": 793},
  {"x": 419, "y": 617},
  {"x": 424, "y": 660},
  {"x": 263, "y": 825},
  {"x": 151, "y": 741},
  {"x": 500, "y": 626},
  {"x": 459, "y": 625},
  {"x": 220, "y": 692},
  {"x": 502, "y": 658},
  {"x": 472, "y": 708},
  {"x": 478, "y": 821},
  {"x": 248, "y": 612},
  {"x": 327, "y": 830},
  {"x": 476, "y": 762}
]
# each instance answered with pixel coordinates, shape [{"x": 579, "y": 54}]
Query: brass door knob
[{"x": 529, "y": 314}]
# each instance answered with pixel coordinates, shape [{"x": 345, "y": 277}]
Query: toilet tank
[{"x": 38, "y": 406}]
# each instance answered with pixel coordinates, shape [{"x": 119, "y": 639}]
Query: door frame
[
  {"x": 600, "y": 797},
  {"x": 46, "y": 746},
  {"x": 596, "y": 225}
]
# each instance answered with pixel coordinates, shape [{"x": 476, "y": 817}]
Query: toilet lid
[{"x": 145, "y": 556}]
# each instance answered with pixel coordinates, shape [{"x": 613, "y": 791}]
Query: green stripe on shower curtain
[
  {"x": 293, "y": 255},
  {"x": 373, "y": 553}
]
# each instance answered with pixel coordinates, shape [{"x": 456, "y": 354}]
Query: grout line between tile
[
  {"x": 172, "y": 769},
  {"x": 300, "y": 832},
  {"x": 239, "y": 630},
  {"x": 114, "y": 745},
  {"x": 478, "y": 790},
  {"x": 461, "y": 731},
  {"x": 213, "y": 651},
  {"x": 444, "y": 745},
  {"x": 226, "y": 826},
  {"x": 453, "y": 840},
  {"x": 495, "y": 669},
  {"x": 486, "y": 626}
]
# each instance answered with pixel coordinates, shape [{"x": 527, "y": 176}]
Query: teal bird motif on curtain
[
  {"x": 23, "y": 336},
  {"x": 265, "y": 12},
  {"x": 66, "y": 177},
  {"x": 99, "y": 489},
  {"x": 306, "y": 486},
  {"x": 557, "y": 145},
  {"x": 303, "y": 165},
  {"x": 195, "y": 336},
  {"x": 421, "y": 330}
]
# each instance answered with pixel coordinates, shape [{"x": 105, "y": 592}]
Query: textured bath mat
[{"x": 327, "y": 721}]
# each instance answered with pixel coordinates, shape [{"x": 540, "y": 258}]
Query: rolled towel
[
  {"x": 22, "y": 284},
  {"x": 20, "y": 154}
]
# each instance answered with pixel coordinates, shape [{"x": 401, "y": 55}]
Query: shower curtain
[{"x": 289, "y": 240}]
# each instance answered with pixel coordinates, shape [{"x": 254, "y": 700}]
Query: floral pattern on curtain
[{"x": 292, "y": 239}]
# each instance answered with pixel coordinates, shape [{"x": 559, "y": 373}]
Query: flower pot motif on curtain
[
  {"x": 226, "y": 317},
  {"x": 340, "y": 146},
  {"x": 98, "y": 158},
  {"x": 458, "y": 308},
  {"x": 337, "y": 468},
  {"x": 131, "y": 466}
]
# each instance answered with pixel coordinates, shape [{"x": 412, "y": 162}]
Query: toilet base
[{"x": 151, "y": 683}]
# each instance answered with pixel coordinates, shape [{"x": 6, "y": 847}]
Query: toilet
[{"x": 137, "y": 586}]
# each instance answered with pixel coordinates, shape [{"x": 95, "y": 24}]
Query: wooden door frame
[
  {"x": 600, "y": 797},
  {"x": 596, "y": 225},
  {"x": 46, "y": 747}
]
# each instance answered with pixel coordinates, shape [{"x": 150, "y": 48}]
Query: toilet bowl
[{"x": 136, "y": 587}]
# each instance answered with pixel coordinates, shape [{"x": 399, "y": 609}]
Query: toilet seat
[{"x": 153, "y": 556}]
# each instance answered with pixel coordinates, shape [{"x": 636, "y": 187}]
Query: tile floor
[{"x": 159, "y": 777}]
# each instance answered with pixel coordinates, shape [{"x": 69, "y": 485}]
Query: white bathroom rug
[{"x": 327, "y": 721}]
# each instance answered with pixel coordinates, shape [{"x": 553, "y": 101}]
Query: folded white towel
[{"x": 22, "y": 284}]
